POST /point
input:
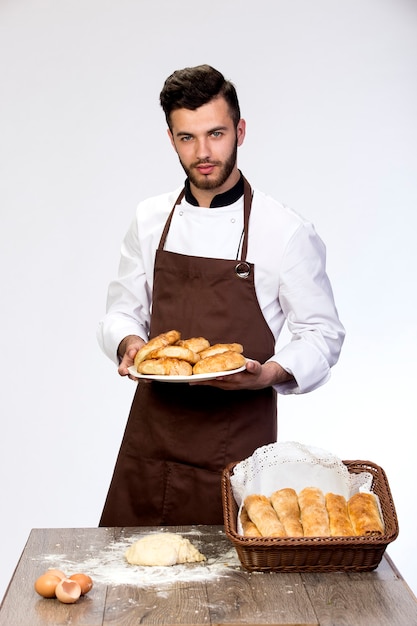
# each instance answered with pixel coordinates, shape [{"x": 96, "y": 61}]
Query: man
[{"x": 221, "y": 261}]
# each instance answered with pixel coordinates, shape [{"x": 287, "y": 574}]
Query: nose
[{"x": 203, "y": 149}]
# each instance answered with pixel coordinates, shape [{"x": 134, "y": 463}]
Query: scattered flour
[{"x": 109, "y": 566}]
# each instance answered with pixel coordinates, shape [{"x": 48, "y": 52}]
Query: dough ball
[{"x": 163, "y": 549}]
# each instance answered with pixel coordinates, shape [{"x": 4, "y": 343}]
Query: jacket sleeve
[{"x": 306, "y": 300}]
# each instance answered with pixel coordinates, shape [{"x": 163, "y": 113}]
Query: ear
[
  {"x": 171, "y": 138},
  {"x": 240, "y": 132}
]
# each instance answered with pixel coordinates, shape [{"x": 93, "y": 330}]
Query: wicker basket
[{"x": 313, "y": 554}]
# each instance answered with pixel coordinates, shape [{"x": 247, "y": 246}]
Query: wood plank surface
[
  {"x": 216, "y": 592},
  {"x": 180, "y": 604},
  {"x": 345, "y": 602},
  {"x": 247, "y": 598}
]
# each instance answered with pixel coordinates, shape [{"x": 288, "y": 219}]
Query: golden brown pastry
[
  {"x": 196, "y": 344},
  {"x": 175, "y": 352},
  {"x": 223, "y": 362},
  {"x": 285, "y": 503},
  {"x": 249, "y": 528},
  {"x": 313, "y": 513},
  {"x": 218, "y": 348},
  {"x": 165, "y": 339},
  {"x": 364, "y": 514},
  {"x": 165, "y": 367},
  {"x": 339, "y": 521},
  {"x": 262, "y": 514}
]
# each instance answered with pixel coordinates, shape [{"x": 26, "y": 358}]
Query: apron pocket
[{"x": 192, "y": 496}]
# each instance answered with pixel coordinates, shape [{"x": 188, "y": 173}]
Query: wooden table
[{"x": 219, "y": 591}]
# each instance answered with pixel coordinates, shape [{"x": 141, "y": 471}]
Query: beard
[{"x": 200, "y": 181}]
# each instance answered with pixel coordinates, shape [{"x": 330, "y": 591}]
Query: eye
[
  {"x": 216, "y": 133},
  {"x": 186, "y": 138}
]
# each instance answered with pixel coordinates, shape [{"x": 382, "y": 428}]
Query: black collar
[{"x": 222, "y": 199}]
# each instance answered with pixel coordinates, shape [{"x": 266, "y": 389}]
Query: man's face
[{"x": 206, "y": 142}]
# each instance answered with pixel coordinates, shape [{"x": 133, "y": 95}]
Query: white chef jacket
[{"x": 290, "y": 277}]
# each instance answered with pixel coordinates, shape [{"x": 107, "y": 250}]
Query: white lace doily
[{"x": 295, "y": 465}]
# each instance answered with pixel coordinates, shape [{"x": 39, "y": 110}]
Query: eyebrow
[{"x": 183, "y": 133}]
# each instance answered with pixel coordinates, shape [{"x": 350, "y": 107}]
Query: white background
[{"x": 329, "y": 92}]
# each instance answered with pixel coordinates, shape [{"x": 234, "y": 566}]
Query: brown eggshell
[
  {"x": 46, "y": 585},
  {"x": 56, "y": 572},
  {"x": 68, "y": 591},
  {"x": 84, "y": 581}
]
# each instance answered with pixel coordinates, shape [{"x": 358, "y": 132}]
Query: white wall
[{"x": 329, "y": 93}]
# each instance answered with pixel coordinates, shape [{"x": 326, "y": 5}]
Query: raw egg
[
  {"x": 84, "y": 581},
  {"x": 46, "y": 585},
  {"x": 68, "y": 591}
]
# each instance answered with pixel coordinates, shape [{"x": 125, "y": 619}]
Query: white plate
[{"x": 183, "y": 379}]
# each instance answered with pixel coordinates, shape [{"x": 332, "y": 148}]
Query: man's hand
[
  {"x": 256, "y": 376},
  {"x": 126, "y": 351}
]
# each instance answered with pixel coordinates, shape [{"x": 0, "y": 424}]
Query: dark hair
[{"x": 192, "y": 87}]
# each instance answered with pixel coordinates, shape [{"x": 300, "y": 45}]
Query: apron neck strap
[{"x": 247, "y": 203}]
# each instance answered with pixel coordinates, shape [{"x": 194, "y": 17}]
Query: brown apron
[{"x": 179, "y": 437}]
